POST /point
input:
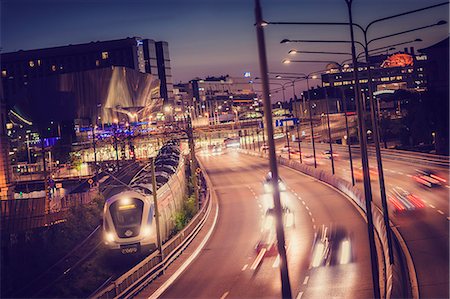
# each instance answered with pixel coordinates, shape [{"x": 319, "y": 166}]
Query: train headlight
[
  {"x": 125, "y": 201},
  {"x": 109, "y": 237},
  {"x": 146, "y": 231}
]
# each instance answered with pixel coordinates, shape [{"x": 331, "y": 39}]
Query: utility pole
[
  {"x": 193, "y": 162},
  {"x": 155, "y": 203},
  {"x": 344, "y": 103},
  {"x": 365, "y": 161},
  {"x": 329, "y": 131},
  {"x": 94, "y": 145},
  {"x": 284, "y": 273},
  {"x": 47, "y": 197},
  {"x": 287, "y": 141}
]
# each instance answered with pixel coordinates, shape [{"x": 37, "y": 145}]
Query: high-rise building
[{"x": 143, "y": 55}]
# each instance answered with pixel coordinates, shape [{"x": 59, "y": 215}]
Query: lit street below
[{"x": 224, "y": 267}]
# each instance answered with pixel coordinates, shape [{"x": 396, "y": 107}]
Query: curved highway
[
  {"x": 228, "y": 265},
  {"x": 427, "y": 235}
]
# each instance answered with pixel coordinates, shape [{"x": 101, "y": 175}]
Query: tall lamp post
[
  {"x": 374, "y": 118},
  {"x": 284, "y": 273}
]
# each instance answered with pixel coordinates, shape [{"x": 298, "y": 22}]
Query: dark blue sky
[{"x": 210, "y": 37}]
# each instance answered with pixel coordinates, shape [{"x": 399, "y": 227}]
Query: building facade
[
  {"x": 223, "y": 99},
  {"x": 143, "y": 55}
]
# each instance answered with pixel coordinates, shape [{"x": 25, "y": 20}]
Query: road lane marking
[
  {"x": 432, "y": 206},
  {"x": 303, "y": 202},
  {"x": 440, "y": 212},
  {"x": 299, "y": 296},
  {"x": 276, "y": 263},
  {"x": 314, "y": 227},
  {"x": 408, "y": 175},
  {"x": 310, "y": 214},
  {"x": 306, "y": 280},
  {"x": 313, "y": 220},
  {"x": 245, "y": 267},
  {"x": 224, "y": 295},
  {"x": 258, "y": 259},
  {"x": 307, "y": 208}
]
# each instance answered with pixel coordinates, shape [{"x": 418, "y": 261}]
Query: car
[
  {"x": 428, "y": 178},
  {"x": 233, "y": 142},
  {"x": 332, "y": 245},
  {"x": 403, "y": 202},
  {"x": 216, "y": 150},
  {"x": 358, "y": 174},
  {"x": 264, "y": 147},
  {"x": 327, "y": 154},
  {"x": 267, "y": 184},
  {"x": 285, "y": 149}
]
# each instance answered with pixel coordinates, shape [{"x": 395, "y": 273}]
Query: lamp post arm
[
  {"x": 316, "y": 23},
  {"x": 399, "y": 33},
  {"x": 403, "y": 14}
]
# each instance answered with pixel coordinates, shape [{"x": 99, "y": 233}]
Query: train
[{"x": 129, "y": 216}]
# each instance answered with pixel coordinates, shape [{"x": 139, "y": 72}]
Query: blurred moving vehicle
[
  {"x": 264, "y": 147},
  {"x": 403, "y": 202},
  {"x": 309, "y": 160},
  {"x": 268, "y": 239},
  {"x": 428, "y": 178},
  {"x": 233, "y": 142},
  {"x": 332, "y": 246},
  {"x": 358, "y": 174},
  {"x": 267, "y": 184},
  {"x": 216, "y": 150},
  {"x": 327, "y": 154}
]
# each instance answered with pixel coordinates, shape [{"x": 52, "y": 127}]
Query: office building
[
  {"x": 222, "y": 99},
  {"x": 142, "y": 55}
]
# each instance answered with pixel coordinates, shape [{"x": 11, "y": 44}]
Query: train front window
[{"x": 126, "y": 214}]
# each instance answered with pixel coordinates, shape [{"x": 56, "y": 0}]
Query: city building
[
  {"x": 142, "y": 55},
  {"x": 391, "y": 75},
  {"x": 222, "y": 99},
  {"x": 437, "y": 96}
]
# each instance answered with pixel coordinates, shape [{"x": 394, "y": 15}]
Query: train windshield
[{"x": 127, "y": 212}]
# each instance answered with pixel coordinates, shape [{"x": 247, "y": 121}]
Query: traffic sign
[
  {"x": 198, "y": 170},
  {"x": 90, "y": 181}
]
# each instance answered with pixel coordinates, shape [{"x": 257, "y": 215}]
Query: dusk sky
[{"x": 213, "y": 37}]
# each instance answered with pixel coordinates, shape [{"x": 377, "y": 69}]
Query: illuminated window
[
  {"x": 97, "y": 63},
  {"x": 337, "y": 83},
  {"x": 31, "y": 63},
  {"x": 105, "y": 55},
  {"x": 54, "y": 68},
  {"x": 39, "y": 62},
  {"x": 399, "y": 77},
  {"x": 326, "y": 84},
  {"x": 384, "y": 79},
  {"x": 363, "y": 81},
  {"x": 4, "y": 73}
]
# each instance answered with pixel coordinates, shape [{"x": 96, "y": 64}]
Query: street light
[
  {"x": 284, "y": 272},
  {"x": 361, "y": 123}
]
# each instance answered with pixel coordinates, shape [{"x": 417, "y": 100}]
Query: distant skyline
[{"x": 211, "y": 37}]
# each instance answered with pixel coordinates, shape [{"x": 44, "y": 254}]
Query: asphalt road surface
[{"x": 228, "y": 265}]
